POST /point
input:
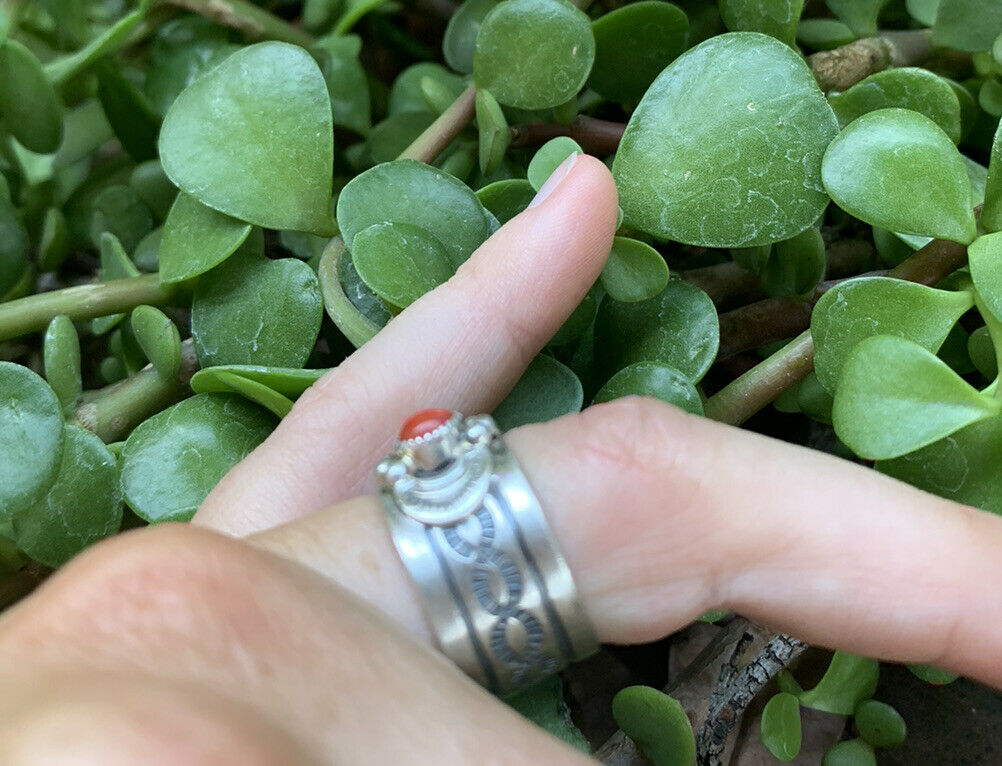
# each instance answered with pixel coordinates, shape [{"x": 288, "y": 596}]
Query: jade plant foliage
[{"x": 202, "y": 212}]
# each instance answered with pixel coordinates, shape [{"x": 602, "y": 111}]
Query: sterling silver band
[{"x": 470, "y": 531}]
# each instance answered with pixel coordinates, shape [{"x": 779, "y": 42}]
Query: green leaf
[
  {"x": 29, "y": 106},
  {"x": 848, "y": 680},
  {"x": 677, "y": 328},
  {"x": 854, "y": 752},
  {"x": 393, "y": 135},
  {"x": 259, "y": 393},
  {"x": 461, "y": 33},
  {"x": 875, "y": 163},
  {"x": 813, "y": 400},
  {"x": 407, "y": 95},
  {"x": 796, "y": 265},
  {"x": 962, "y": 467},
  {"x": 197, "y": 238},
  {"x": 823, "y": 34},
  {"x": 251, "y": 310},
  {"x": 253, "y": 138},
  {"x": 633, "y": 44},
  {"x": 493, "y": 133},
  {"x": 31, "y": 438},
  {"x": 967, "y": 25},
  {"x": 981, "y": 351},
  {"x": 991, "y": 214},
  {"x": 82, "y": 507},
  {"x": 153, "y": 187},
  {"x": 115, "y": 264},
  {"x": 879, "y": 724},
  {"x": 859, "y": 15},
  {"x": 581, "y": 320},
  {"x": 985, "y": 259},
  {"x": 655, "y": 381},
  {"x": 134, "y": 120},
  {"x": 61, "y": 354},
  {"x": 288, "y": 381},
  {"x": 533, "y": 54},
  {"x": 347, "y": 85},
  {"x": 725, "y": 148},
  {"x": 634, "y": 271},
  {"x": 894, "y": 397},
  {"x": 932, "y": 675},
  {"x": 544, "y": 705},
  {"x": 506, "y": 199},
  {"x": 908, "y": 88},
  {"x": 400, "y": 262},
  {"x": 923, "y": 11},
  {"x": 14, "y": 246},
  {"x": 778, "y": 18},
  {"x": 63, "y": 69},
  {"x": 159, "y": 338},
  {"x": 411, "y": 192},
  {"x": 780, "y": 729},
  {"x": 549, "y": 157},
  {"x": 354, "y": 308},
  {"x": 546, "y": 390},
  {"x": 657, "y": 724},
  {"x": 866, "y": 306},
  {"x": 172, "y": 461},
  {"x": 53, "y": 242}
]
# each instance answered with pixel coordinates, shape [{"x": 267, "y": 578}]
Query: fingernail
[{"x": 551, "y": 183}]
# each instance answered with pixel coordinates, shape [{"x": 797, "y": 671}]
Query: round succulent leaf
[
  {"x": 356, "y": 311},
  {"x": 197, "y": 238},
  {"x": 533, "y": 54},
  {"x": 823, "y": 34},
  {"x": 874, "y": 165},
  {"x": 796, "y": 265},
  {"x": 288, "y": 381},
  {"x": 633, "y": 44},
  {"x": 654, "y": 381},
  {"x": 118, "y": 210},
  {"x": 580, "y": 321},
  {"x": 222, "y": 381},
  {"x": 406, "y": 95},
  {"x": 778, "y": 18},
  {"x": 61, "y": 357},
  {"x": 866, "y": 306},
  {"x": 543, "y": 704},
  {"x": 180, "y": 67},
  {"x": 859, "y": 15},
  {"x": 388, "y": 139},
  {"x": 814, "y": 401},
  {"x": 677, "y": 328},
  {"x": 962, "y": 467},
  {"x": 29, "y": 106},
  {"x": 82, "y": 507},
  {"x": 171, "y": 461},
  {"x": 853, "y": 752},
  {"x": 14, "y": 244},
  {"x": 506, "y": 199},
  {"x": 437, "y": 95},
  {"x": 907, "y": 88},
  {"x": 991, "y": 213},
  {"x": 967, "y": 25},
  {"x": 848, "y": 680},
  {"x": 405, "y": 191},
  {"x": 985, "y": 260},
  {"x": 895, "y": 397},
  {"x": 879, "y": 724},
  {"x": 725, "y": 148},
  {"x": 400, "y": 262},
  {"x": 990, "y": 97},
  {"x": 493, "y": 133},
  {"x": 31, "y": 438},
  {"x": 780, "y": 729},
  {"x": 981, "y": 351},
  {"x": 135, "y": 122},
  {"x": 253, "y": 138},
  {"x": 657, "y": 724},
  {"x": 923, "y": 11},
  {"x": 549, "y": 157},
  {"x": 53, "y": 241},
  {"x": 634, "y": 271},
  {"x": 546, "y": 390},
  {"x": 251, "y": 310},
  {"x": 347, "y": 84},
  {"x": 932, "y": 675},
  {"x": 159, "y": 339},
  {"x": 461, "y": 33},
  {"x": 153, "y": 187}
]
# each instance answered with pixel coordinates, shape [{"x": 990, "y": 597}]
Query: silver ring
[{"x": 470, "y": 531}]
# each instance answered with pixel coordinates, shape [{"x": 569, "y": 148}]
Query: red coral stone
[{"x": 423, "y": 423}]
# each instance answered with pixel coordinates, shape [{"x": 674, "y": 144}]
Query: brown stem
[
  {"x": 438, "y": 135},
  {"x": 841, "y": 68},
  {"x": 594, "y": 136},
  {"x": 244, "y": 16}
]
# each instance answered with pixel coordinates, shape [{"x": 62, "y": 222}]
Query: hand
[{"x": 303, "y": 641}]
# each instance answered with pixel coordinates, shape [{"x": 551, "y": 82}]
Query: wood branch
[
  {"x": 594, "y": 136},
  {"x": 842, "y": 67}
]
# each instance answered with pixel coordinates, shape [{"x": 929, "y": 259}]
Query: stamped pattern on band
[{"x": 474, "y": 541}]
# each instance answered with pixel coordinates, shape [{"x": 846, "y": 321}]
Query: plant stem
[
  {"x": 120, "y": 407},
  {"x": 248, "y": 18},
  {"x": 843, "y": 67},
  {"x": 598, "y": 137},
  {"x": 34, "y": 312},
  {"x": 746, "y": 395},
  {"x": 438, "y": 135}
]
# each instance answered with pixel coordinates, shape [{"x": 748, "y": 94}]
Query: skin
[{"x": 281, "y": 627}]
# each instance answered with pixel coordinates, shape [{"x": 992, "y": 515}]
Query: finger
[
  {"x": 272, "y": 641},
  {"x": 461, "y": 347},
  {"x": 663, "y": 516}
]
